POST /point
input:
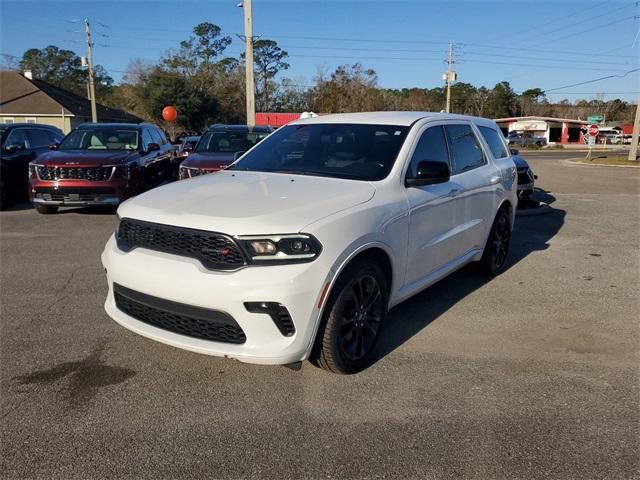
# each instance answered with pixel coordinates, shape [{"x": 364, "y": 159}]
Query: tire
[
  {"x": 46, "y": 209},
  {"x": 353, "y": 319},
  {"x": 496, "y": 250}
]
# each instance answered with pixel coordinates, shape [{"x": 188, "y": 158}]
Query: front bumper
[
  {"x": 183, "y": 280},
  {"x": 70, "y": 193}
]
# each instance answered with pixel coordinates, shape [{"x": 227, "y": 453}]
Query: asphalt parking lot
[{"x": 534, "y": 374}]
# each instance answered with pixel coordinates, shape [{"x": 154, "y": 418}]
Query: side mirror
[
  {"x": 14, "y": 147},
  {"x": 514, "y": 151},
  {"x": 237, "y": 155},
  {"x": 429, "y": 173},
  {"x": 153, "y": 147},
  {"x": 54, "y": 146}
]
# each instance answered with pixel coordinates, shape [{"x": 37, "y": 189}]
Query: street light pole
[
  {"x": 248, "y": 56},
  {"x": 449, "y": 75},
  {"x": 92, "y": 90}
]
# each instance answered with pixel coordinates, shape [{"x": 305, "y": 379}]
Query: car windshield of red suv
[
  {"x": 229, "y": 142},
  {"x": 100, "y": 139}
]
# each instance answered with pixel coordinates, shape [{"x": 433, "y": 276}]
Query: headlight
[
  {"x": 32, "y": 171},
  {"x": 294, "y": 248}
]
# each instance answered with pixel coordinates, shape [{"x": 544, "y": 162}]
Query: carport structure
[{"x": 555, "y": 130}]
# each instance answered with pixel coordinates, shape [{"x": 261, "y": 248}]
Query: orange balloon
[{"x": 169, "y": 114}]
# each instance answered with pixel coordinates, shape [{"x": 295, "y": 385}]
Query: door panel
[{"x": 432, "y": 219}]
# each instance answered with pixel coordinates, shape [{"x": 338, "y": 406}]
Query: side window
[
  {"x": 466, "y": 153},
  {"x": 163, "y": 137},
  {"x": 39, "y": 137},
  {"x": 431, "y": 146},
  {"x": 146, "y": 138},
  {"x": 495, "y": 142},
  {"x": 155, "y": 136},
  {"x": 18, "y": 136}
]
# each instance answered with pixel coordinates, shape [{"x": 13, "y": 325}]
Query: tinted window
[
  {"x": 155, "y": 136},
  {"x": 100, "y": 139},
  {"x": 17, "y": 136},
  {"x": 146, "y": 138},
  {"x": 229, "y": 142},
  {"x": 354, "y": 151},
  {"x": 431, "y": 146},
  {"x": 163, "y": 137},
  {"x": 39, "y": 137},
  {"x": 466, "y": 152},
  {"x": 494, "y": 140}
]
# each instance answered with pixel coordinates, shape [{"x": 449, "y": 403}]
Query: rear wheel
[
  {"x": 46, "y": 209},
  {"x": 353, "y": 319},
  {"x": 496, "y": 250}
]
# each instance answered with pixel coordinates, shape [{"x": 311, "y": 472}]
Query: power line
[
  {"x": 592, "y": 81},
  {"x": 590, "y": 30},
  {"x": 587, "y": 20}
]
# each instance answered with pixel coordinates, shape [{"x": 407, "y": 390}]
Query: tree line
[{"x": 206, "y": 86}]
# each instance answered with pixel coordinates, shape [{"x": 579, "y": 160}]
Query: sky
[{"x": 545, "y": 44}]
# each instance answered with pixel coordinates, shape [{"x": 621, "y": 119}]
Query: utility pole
[
  {"x": 633, "y": 151},
  {"x": 248, "y": 57},
  {"x": 450, "y": 76},
  {"x": 92, "y": 89}
]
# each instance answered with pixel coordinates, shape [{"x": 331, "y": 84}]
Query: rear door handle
[{"x": 494, "y": 180}]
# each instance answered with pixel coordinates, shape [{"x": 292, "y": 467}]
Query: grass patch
[{"x": 619, "y": 160}]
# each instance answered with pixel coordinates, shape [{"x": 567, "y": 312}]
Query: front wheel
[
  {"x": 353, "y": 319},
  {"x": 494, "y": 257},
  {"x": 46, "y": 209}
]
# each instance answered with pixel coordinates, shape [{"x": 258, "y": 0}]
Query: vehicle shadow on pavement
[
  {"x": 530, "y": 234},
  {"x": 17, "y": 206}
]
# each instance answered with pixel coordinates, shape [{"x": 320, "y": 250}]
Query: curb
[
  {"x": 530, "y": 212},
  {"x": 602, "y": 164}
]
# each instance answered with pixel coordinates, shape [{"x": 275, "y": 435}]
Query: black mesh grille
[
  {"x": 93, "y": 174},
  {"x": 213, "y": 250},
  {"x": 177, "y": 317}
]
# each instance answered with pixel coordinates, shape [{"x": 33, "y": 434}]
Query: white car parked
[{"x": 299, "y": 248}]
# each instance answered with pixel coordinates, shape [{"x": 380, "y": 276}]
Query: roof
[
  {"x": 114, "y": 125},
  {"x": 240, "y": 128},
  {"x": 385, "y": 118},
  {"x": 6, "y": 126},
  {"x": 22, "y": 96},
  {"x": 543, "y": 119}
]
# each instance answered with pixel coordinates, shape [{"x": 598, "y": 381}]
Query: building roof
[
  {"x": 219, "y": 127},
  {"x": 22, "y": 96},
  {"x": 540, "y": 119}
]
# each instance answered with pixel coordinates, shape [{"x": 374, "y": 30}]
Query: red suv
[
  {"x": 220, "y": 146},
  {"x": 100, "y": 164}
]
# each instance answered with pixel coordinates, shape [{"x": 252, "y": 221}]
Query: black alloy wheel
[
  {"x": 494, "y": 257},
  {"x": 353, "y": 319}
]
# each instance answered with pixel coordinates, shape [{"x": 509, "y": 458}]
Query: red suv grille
[{"x": 93, "y": 174}]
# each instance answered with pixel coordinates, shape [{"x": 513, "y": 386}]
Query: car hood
[
  {"x": 244, "y": 203},
  {"x": 519, "y": 161},
  {"x": 208, "y": 160},
  {"x": 84, "y": 158}
]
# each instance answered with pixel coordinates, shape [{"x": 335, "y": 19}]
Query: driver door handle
[{"x": 494, "y": 180}]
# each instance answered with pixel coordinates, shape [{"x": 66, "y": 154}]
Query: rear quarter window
[{"x": 495, "y": 142}]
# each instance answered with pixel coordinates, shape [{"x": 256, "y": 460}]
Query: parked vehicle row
[{"x": 104, "y": 164}]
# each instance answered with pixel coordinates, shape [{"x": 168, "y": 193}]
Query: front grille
[
  {"x": 524, "y": 176},
  {"x": 92, "y": 174},
  {"x": 177, "y": 317},
  {"x": 215, "y": 251}
]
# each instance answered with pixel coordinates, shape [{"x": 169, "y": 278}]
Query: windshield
[
  {"x": 355, "y": 151},
  {"x": 229, "y": 142},
  {"x": 100, "y": 139}
]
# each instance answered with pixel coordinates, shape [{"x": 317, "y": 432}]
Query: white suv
[{"x": 300, "y": 247}]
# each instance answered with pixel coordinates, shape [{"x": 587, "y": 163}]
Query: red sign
[{"x": 593, "y": 130}]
